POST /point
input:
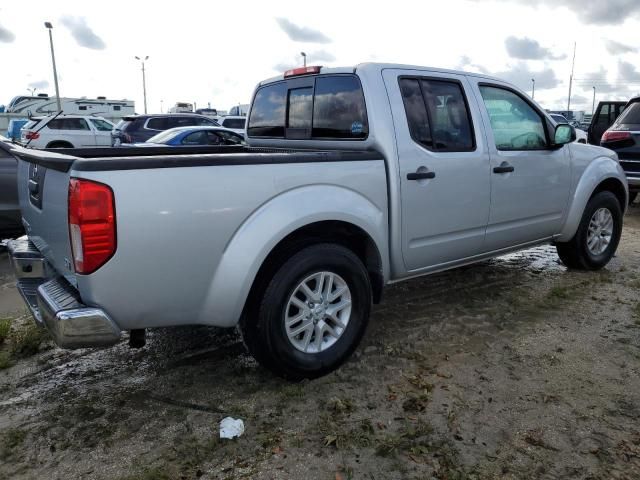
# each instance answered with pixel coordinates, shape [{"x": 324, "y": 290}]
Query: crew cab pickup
[{"x": 354, "y": 178}]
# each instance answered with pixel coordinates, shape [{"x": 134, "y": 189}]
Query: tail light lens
[
  {"x": 614, "y": 136},
  {"x": 32, "y": 135},
  {"x": 92, "y": 224}
]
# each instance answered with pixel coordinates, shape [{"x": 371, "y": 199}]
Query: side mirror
[{"x": 564, "y": 134}]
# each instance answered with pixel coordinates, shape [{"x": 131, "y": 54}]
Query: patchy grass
[
  {"x": 26, "y": 341},
  {"x": 10, "y": 440},
  {"x": 5, "y": 360},
  {"x": 5, "y": 329}
]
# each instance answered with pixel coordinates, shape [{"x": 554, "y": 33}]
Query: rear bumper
[{"x": 56, "y": 305}]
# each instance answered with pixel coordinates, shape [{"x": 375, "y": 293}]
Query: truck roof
[{"x": 377, "y": 67}]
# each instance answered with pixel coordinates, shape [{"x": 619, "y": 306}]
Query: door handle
[
  {"x": 503, "y": 168},
  {"x": 420, "y": 175},
  {"x": 34, "y": 188}
]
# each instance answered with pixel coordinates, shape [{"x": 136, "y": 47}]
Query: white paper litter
[{"x": 231, "y": 427}]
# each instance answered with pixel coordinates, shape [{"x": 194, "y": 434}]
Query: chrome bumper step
[{"x": 56, "y": 304}]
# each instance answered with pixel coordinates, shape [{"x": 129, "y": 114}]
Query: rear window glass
[
  {"x": 339, "y": 110},
  {"x": 631, "y": 115},
  {"x": 30, "y": 124},
  {"x": 234, "y": 123},
  {"x": 268, "y": 112},
  {"x": 333, "y": 108}
]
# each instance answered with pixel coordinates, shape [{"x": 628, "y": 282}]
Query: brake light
[
  {"x": 615, "y": 136},
  {"x": 302, "y": 71},
  {"x": 32, "y": 135},
  {"x": 92, "y": 224}
]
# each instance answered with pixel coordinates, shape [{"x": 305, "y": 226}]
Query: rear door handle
[
  {"x": 420, "y": 175},
  {"x": 503, "y": 168}
]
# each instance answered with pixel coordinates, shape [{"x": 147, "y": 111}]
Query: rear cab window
[
  {"x": 438, "y": 114},
  {"x": 330, "y": 107}
]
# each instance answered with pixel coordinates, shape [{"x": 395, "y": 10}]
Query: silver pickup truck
[{"x": 355, "y": 178}]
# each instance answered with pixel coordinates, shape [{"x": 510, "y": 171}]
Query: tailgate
[{"x": 43, "y": 189}]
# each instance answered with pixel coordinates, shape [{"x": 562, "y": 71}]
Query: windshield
[{"x": 559, "y": 118}]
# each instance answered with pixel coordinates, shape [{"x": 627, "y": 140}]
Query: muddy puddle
[{"x": 512, "y": 368}]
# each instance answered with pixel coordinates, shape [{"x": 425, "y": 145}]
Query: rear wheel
[
  {"x": 312, "y": 313},
  {"x": 598, "y": 234}
]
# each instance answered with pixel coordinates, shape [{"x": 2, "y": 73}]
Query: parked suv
[
  {"x": 66, "y": 131},
  {"x": 235, "y": 123},
  {"x": 140, "y": 128},
  {"x": 604, "y": 116},
  {"x": 624, "y": 138}
]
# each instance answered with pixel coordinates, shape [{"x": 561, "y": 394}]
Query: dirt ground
[{"x": 513, "y": 368}]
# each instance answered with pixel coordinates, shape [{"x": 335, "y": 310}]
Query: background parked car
[
  {"x": 581, "y": 135},
  {"x": 624, "y": 138},
  {"x": 190, "y": 136},
  {"x": 235, "y": 123},
  {"x": 140, "y": 128},
  {"x": 10, "y": 218},
  {"x": 604, "y": 116},
  {"x": 66, "y": 131}
]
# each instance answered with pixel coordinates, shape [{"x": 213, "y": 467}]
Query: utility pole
[
  {"x": 573, "y": 64},
  {"x": 593, "y": 105},
  {"x": 49, "y": 27},
  {"x": 304, "y": 58},
  {"x": 533, "y": 88},
  {"x": 144, "y": 81},
  {"x": 32, "y": 91}
]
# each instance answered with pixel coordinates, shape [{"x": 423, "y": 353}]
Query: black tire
[
  {"x": 575, "y": 253},
  {"x": 263, "y": 326},
  {"x": 59, "y": 144},
  {"x": 632, "y": 197}
]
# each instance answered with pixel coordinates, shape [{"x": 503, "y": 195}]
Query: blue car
[{"x": 196, "y": 135}]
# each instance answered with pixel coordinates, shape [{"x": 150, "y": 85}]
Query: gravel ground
[{"x": 513, "y": 368}]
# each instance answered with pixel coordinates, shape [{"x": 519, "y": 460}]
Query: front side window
[
  {"x": 101, "y": 125},
  {"x": 516, "y": 125},
  {"x": 437, "y": 114}
]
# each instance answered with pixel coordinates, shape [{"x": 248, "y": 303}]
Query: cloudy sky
[{"x": 204, "y": 51}]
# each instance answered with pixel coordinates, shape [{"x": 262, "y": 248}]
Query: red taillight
[
  {"x": 92, "y": 224},
  {"x": 614, "y": 136},
  {"x": 301, "y": 71},
  {"x": 32, "y": 135}
]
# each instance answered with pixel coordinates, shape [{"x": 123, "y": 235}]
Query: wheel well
[
  {"x": 342, "y": 233},
  {"x": 614, "y": 186},
  {"x": 59, "y": 144}
]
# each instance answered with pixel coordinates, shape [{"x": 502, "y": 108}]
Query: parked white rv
[
  {"x": 43, "y": 105},
  {"x": 181, "y": 107}
]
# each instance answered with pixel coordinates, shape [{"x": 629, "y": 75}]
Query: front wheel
[
  {"x": 598, "y": 234},
  {"x": 312, "y": 314}
]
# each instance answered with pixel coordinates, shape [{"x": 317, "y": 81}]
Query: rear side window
[
  {"x": 68, "y": 124},
  {"x": 437, "y": 114},
  {"x": 159, "y": 123},
  {"x": 234, "y": 123},
  {"x": 631, "y": 115},
  {"x": 332, "y": 107}
]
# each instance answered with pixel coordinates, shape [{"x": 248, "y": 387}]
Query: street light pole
[
  {"x": 573, "y": 64},
  {"x": 533, "y": 88},
  {"x": 32, "y": 91},
  {"x": 144, "y": 81},
  {"x": 593, "y": 104},
  {"x": 49, "y": 27},
  {"x": 304, "y": 58}
]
